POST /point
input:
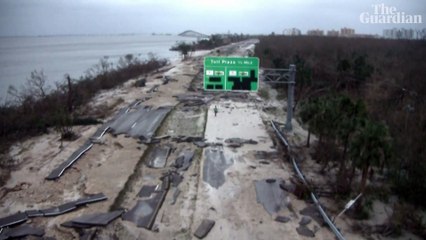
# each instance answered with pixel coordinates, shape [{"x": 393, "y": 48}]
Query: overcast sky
[{"x": 53, "y": 17}]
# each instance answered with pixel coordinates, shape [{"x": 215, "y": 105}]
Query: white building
[
  {"x": 402, "y": 33},
  {"x": 292, "y": 32}
]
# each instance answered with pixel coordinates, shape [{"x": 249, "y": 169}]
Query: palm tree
[{"x": 369, "y": 147}]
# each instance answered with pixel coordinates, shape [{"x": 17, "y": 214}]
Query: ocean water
[{"x": 73, "y": 55}]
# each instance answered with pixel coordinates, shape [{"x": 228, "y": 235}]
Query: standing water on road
[{"x": 59, "y": 55}]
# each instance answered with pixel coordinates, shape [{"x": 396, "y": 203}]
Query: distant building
[
  {"x": 292, "y": 32},
  {"x": 333, "y": 33},
  {"x": 315, "y": 32},
  {"x": 402, "y": 33},
  {"x": 347, "y": 32},
  {"x": 420, "y": 33},
  {"x": 366, "y": 36}
]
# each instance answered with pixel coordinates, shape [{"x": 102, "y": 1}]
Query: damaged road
[{"x": 169, "y": 169}]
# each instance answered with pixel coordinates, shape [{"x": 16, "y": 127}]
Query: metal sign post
[{"x": 284, "y": 76}]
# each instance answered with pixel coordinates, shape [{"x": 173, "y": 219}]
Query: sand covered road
[{"x": 233, "y": 205}]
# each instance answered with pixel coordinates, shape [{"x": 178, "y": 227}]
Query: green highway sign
[{"x": 231, "y": 73}]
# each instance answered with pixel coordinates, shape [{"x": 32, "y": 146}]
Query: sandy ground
[{"x": 116, "y": 166}]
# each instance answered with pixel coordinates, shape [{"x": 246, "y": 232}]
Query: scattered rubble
[
  {"x": 238, "y": 142},
  {"x": 22, "y": 217},
  {"x": 215, "y": 163},
  {"x": 305, "y": 231},
  {"x": 184, "y": 160},
  {"x": 141, "y": 123},
  {"x": 153, "y": 88},
  {"x": 158, "y": 157},
  {"x": 270, "y": 195},
  {"x": 147, "y": 190},
  {"x": 93, "y": 220},
  {"x": 312, "y": 212},
  {"x": 282, "y": 219},
  {"x": 204, "y": 228},
  {"x": 144, "y": 212},
  {"x": 193, "y": 139},
  {"x": 57, "y": 172},
  {"x": 266, "y": 155},
  {"x": 21, "y": 232},
  {"x": 194, "y": 99},
  {"x": 305, "y": 220}
]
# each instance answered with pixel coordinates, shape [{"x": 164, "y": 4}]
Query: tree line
[{"x": 365, "y": 99}]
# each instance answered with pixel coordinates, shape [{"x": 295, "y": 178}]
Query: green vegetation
[
  {"x": 214, "y": 41},
  {"x": 184, "y": 48},
  {"x": 365, "y": 100}
]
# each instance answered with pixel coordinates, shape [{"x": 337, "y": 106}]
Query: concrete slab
[
  {"x": 215, "y": 164},
  {"x": 124, "y": 122},
  {"x": 57, "y": 172},
  {"x": 158, "y": 157},
  {"x": 143, "y": 214},
  {"x": 34, "y": 213},
  {"x": 95, "y": 219},
  {"x": 55, "y": 211},
  {"x": 14, "y": 219},
  {"x": 270, "y": 195},
  {"x": 147, "y": 124},
  {"x": 204, "y": 228},
  {"x": 147, "y": 190},
  {"x": 184, "y": 160},
  {"x": 21, "y": 232},
  {"x": 91, "y": 199}
]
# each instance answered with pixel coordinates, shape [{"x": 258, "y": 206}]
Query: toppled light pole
[
  {"x": 280, "y": 76},
  {"x": 347, "y": 206}
]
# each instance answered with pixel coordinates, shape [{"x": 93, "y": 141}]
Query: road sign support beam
[{"x": 284, "y": 76}]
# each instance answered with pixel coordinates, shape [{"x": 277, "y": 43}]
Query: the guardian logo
[{"x": 383, "y": 14}]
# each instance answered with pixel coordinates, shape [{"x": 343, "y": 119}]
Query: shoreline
[{"x": 73, "y": 55}]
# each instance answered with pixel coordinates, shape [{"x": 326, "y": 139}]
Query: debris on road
[
  {"x": 22, "y": 217},
  {"x": 14, "y": 219},
  {"x": 312, "y": 212},
  {"x": 204, "y": 228},
  {"x": 305, "y": 231},
  {"x": 193, "y": 139},
  {"x": 141, "y": 123},
  {"x": 93, "y": 220},
  {"x": 57, "y": 172},
  {"x": 305, "y": 221},
  {"x": 146, "y": 191},
  {"x": 270, "y": 195},
  {"x": 153, "y": 88},
  {"x": 158, "y": 157},
  {"x": 266, "y": 155},
  {"x": 21, "y": 232},
  {"x": 238, "y": 142},
  {"x": 282, "y": 219},
  {"x": 214, "y": 166},
  {"x": 193, "y": 99},
  {"x": 184, "y": 160},
  {"x": 143, "y": 214}
]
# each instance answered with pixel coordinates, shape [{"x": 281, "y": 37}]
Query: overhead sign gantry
[{"x": 231, "y": 74}]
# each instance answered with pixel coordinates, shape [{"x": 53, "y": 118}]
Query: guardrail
[{"x": 313, "y": 197}]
